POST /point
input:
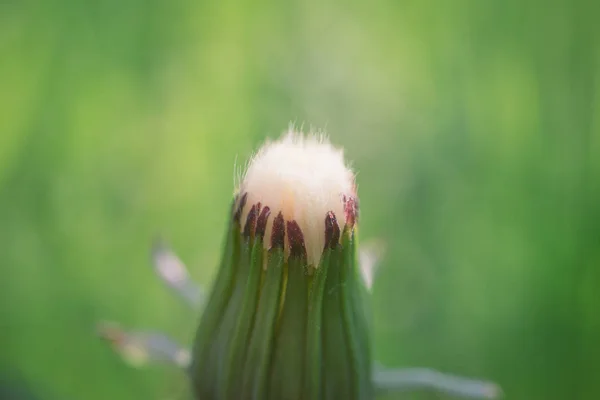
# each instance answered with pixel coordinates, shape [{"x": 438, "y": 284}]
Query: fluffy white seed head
[{"x": 304, "y": 178}]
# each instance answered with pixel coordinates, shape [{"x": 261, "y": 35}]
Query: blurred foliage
[{"x": 474, "y": 126}]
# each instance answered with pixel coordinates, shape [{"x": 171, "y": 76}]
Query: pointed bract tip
[
  {"x": 250, "y": 226},
  {"x": 296, "y": 240},
  {"x": 240, "y": 207},
  {"x": 278, "y": 232},
  {"x": 351, "y": 210},
  {"x": 332, "y": 231},
  {"x": 261, "y": 222}
]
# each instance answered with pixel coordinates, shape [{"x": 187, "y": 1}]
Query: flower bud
[{"x": 284, "y": 319}]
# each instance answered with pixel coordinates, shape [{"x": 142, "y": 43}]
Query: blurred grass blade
[
  {"x": 173, "y": 272},
  {"x": 139, "y": 348},
  {"x": 408, "y": 379}
]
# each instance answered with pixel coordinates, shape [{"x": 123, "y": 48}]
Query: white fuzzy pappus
[{"x": 303, "y": 177}]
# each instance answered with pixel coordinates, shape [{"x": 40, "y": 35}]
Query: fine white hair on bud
[{"x": 304, "y": 178}]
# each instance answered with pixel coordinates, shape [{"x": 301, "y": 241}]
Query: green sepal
[
  {"x": 288, "y": 361},
  {"x": 280, "y": 333},
  {"x": 337, "y": 360},
  {"x": 355, "y": 319},
  {"x": 202, "y": 370},
  {"x": 218, "y": 355},
  {"x": 240, "y": 335},
  {"x": 314, "y": 357},
  {"x": 256, "y": 367}
]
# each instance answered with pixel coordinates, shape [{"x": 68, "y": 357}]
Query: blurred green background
[{"x": 474, "y": 127}]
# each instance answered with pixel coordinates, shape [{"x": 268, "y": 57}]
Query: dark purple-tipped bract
[
  {"x": 240, "y": 208},
  {"x": 296, "y": 240},
  {"x": 278, "y": 233},
  {"x": 251, "y": 220},
  {"x": 332, "y": 231},
  {"x": 261, "y": 222},
  {"x": 351, "y": 210}
]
